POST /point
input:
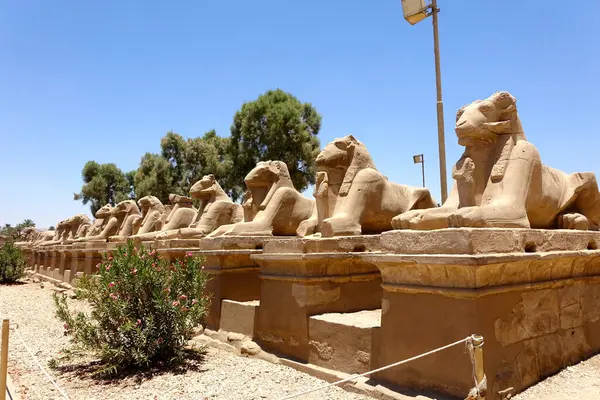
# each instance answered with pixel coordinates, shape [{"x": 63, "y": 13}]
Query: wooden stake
[
  {"x": 4, "y": 360},
  {"x": 478, "y": 356}
]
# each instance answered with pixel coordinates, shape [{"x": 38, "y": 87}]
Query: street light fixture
[
  {"x": 420, "y": 159},
  {"x": 414, "y": 12}
]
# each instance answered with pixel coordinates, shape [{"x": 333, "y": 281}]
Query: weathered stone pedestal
[
  {"x": 305, "y": 277},
  {"x": 533, "y": 295},
  {"x": 86, "y": 256},
  {"x": 233, "y": 275}
]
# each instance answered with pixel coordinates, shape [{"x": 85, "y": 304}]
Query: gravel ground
[
  {"x": 221, "y": 375},
  {"x": 580, "y": 381}
]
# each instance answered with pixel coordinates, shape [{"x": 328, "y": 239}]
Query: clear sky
[{"x": 105, "y": 80}]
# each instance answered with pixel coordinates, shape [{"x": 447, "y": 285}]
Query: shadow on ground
[{"x": 194, "y": 358}]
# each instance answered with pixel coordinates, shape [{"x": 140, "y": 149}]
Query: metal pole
[
  {"x": 440, "y": 104},
  {"x": 4, "y": 360},
  {"x": 478, "y": 356},
  {"x": 423, "y": 168}
]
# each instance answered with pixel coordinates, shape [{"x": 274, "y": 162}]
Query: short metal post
[
  {"x": 478, "y": 357},
  {"x": 4, "y": 360}
]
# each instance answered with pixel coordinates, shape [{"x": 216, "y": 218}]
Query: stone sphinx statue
[
  {"x": 181, "y": 215},
  {"x": 280, "y": 207},
  {"x": 113, "y": 221},
  {"x": 353, "y": 197},
  {"x": 78, "y": 227},
  {"x": 60, "y": 234},
  {"x": 153, "y": 212},
  {"x": 501, "y": 182},
  {"x": 129, "y": 217},
  {"x": 216, "y": 209},
  {"x": 42, "y": 237}
]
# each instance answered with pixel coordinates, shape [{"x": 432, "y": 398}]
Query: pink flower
[
  {"x": 183, "y": 297},
  {"x": 168, "y": 290},
  {"x": 160, "y": 340},
  {"x": 98, "y": 265},
  {"x": 189, "y": 254},
  {"x": 66, "y": 327},
  {"x": 111, "y": 284},
  {"x": 139, "y": 322},
  {"x": 153, "y": 265},
  {"x": 185, "y": 309},
  {"x": 194, "y": 301},
  {"x": 114, "y": 296},
  {"x": 125, "y": 254},
  {"x": 175, "y": 303},
  {"x": 110, "y": 258},
  {"x": 108, "y": 267},
  {"x": 134, "y": 271},
  {"x": 153, "y": 253}
]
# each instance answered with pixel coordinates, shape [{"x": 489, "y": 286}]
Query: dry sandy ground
[{"x": 219, "y": 375}]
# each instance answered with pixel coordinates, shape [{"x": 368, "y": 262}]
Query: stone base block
[
  {"x": 238, "y": 316},
  {"x": 297, "y": 285},
  {"x": 347, "y": 342},
  {"x": 533, "y": 295}
]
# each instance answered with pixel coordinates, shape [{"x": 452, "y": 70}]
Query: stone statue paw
[
  {"x": 339, "y": 226},
  {"x": 307, "y": 227},
  {"x": 573, "y": 221},
  {"x": 467, "y": 216},
  {"x": 408, "y": 220}
]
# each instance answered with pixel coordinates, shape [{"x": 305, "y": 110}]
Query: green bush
[
  {"x": 143, "y": 309},
  {"x": 12, "y": 263}
]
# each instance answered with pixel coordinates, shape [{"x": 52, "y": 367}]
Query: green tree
[
  {"x": 155, "y": 177},
  {"x": 102, "y": 184},
  {"x": 173, "y": 147},
  {"x": 276, "y": 126},
  {"x": 206, "y": 155}
]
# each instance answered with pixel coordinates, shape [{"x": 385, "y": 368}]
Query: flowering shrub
[
  {"x": 12, "y": 263},
  {"x": 143, "y": 309}
]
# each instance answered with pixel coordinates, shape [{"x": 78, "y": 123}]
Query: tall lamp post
[
  {"x": 420, "y": 159},
  {"x": 414, "y": 12}
]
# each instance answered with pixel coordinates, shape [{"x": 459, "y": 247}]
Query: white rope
[
  {"x": 350, "y": 378},
  {"x": 64, "y": 395}
]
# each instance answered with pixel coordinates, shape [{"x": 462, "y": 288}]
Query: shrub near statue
[{"x": 501, "y": 182}]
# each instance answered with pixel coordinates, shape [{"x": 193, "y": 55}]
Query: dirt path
[{"x": 220, "y": 375}]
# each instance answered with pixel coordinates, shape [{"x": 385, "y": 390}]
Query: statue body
[
  {"x": 128, "y": 216},
  {"x": 353, "y": 197},
  {"x": 501, "y": 182},
  {"x": 216, "y": 209},
  {"x": 280, "y": 207},
  {"x": 106, "y": 225},
  {"x": 60, "y": 234},
  {"x": 181, "y": 215},
  {"x": 78, "y": 227}
]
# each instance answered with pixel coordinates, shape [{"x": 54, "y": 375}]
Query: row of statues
[{"x": 499, "y": 181}]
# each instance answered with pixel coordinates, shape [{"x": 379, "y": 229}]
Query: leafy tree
[
  {"x": 103, "y": 183},
  {"x": 15, "y": 231},
  {"x": 276, "y": 126},
  {"x": 155, "y": 177},
  {"x": 206, "y": 155},
  {"x": 51, "y": 228},
  {"x": 12, "y": 263},
  {"x": 173, "y": 150}
]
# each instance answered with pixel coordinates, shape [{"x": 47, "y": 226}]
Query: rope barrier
[
  {"x": 352, "y": 377},
  {"x": 62, "y": 392}
]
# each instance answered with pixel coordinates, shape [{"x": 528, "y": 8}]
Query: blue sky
[{"x": 105, "y": 80}]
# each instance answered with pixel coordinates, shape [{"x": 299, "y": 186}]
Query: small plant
[
  {"x": 12, "y": 263},
  {"x": 143, "y": 309}
]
